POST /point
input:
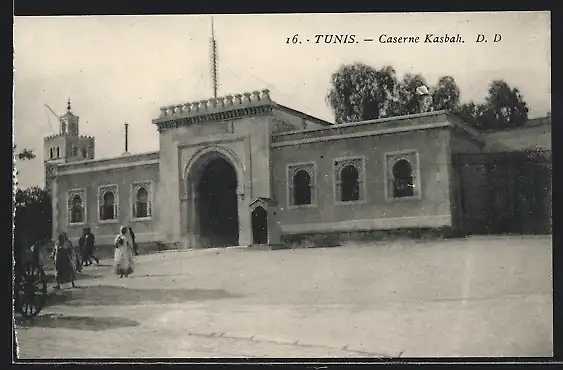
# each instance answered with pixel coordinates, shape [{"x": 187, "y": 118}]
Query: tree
[
  {"x": 503, "y": 108},
  {"x": 406, "y": 100},
  {"x": 32, "y": 219},
  {"x": 476, "y": 115},
  {"x": 32, "y": 210},
  {"x": 445, "y": 95},
  {"x": 359, "y": 92},
  {"x": 26, "y": 154},
  {"x": 506, "y": 106}
]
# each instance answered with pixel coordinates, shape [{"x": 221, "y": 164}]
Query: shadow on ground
[
  {"x": 154, "y": 275},
  {"x": 101, "y": 264},
  {"x": 75, "y": 322},
  {"x": 50, "y": 278},
  {"x": 105, "y": 295}
]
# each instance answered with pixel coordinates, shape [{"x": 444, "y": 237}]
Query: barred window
[
  {"x": 403, "y": 180},
  {"x": 108, "y": 208},
  {"x": 108, "y": 200},
  {"x": 76, "y": 207},
  {"x": 141, "y": 200},
  {"x": 402, "y": 175}
]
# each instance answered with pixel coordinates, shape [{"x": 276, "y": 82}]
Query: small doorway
[{"x": 259, "y": 226}]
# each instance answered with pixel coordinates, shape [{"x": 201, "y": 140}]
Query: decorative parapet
[
  {"x": 60, "y": 135},
  {"x": 216, "y": 109},
  {"x": 52, "y": 136}
]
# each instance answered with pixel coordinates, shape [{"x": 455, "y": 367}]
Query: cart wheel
[{"x": 33, "y": 290}]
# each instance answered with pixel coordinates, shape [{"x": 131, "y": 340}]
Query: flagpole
[{"x": 213, "y": 60}]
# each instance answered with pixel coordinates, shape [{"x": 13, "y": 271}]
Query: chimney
[{"x": 126, "y": 139}]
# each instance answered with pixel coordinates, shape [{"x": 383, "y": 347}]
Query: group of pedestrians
[{"x": 70, "y": 259}]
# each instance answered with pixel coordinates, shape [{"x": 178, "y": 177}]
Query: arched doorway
[
  {"x": 259, "y": 226},
  {"x": 217, "y": 204}
]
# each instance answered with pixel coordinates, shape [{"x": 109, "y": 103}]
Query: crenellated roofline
[
  {"x": 215, "y": 109},
  {"x": 60, "y": 135}
]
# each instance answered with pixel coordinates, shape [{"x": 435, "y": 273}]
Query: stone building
[{"x": 242, "y": 169}]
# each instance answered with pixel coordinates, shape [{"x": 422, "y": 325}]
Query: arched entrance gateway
[
  {"x": 217, "y": 204},
  {"x": 213, "y": 219}
]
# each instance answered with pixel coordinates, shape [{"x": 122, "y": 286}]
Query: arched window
[
  {"x": 350, "y": 184},
  {"x": 108, "y": 207},
  {"x": 301, "y": 188},
  {"x": 403, "y": 180},
  {"x": 75, "y": 151},
  {"x": 141, "y": 206},
  {"x": 349, "y": 179},
  {"x": 58, "y": 152},
  {"x": 84, "y": 153},
  {"x": 76, "y": 209}
]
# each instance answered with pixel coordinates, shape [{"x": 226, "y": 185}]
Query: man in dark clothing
[
  {"x": 82, "y": 248},
  {"x": 134, "y": 242},
  {"x": 90, "y": 242}
]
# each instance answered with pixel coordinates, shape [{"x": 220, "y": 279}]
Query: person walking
[
  {"x": 64, "y": 266},
  {"x": 90, "y": 241},
  {"x": 75, "y": 255},
  {"x": 133, "y": 242},
  {"x": 82, "y": 248},
  {"x": 123, "y": 256}
]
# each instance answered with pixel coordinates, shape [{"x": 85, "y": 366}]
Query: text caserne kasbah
[{"x": 429, "y": 38}]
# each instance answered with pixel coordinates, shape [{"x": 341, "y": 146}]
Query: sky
[{"x": 118, "y": 69}]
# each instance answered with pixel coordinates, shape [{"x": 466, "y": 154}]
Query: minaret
[
  {"x": 69, "y": 122},
  {"x": 214, "y": 58},
  {"x": 68, "y": 145}
]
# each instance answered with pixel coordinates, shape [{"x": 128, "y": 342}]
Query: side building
[{"x": 100, "y": 194}]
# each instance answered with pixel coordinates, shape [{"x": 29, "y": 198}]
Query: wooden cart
[{"x": 30, "y": 283}]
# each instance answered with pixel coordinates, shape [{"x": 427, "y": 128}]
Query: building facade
[{"x": 242, "y": 169}]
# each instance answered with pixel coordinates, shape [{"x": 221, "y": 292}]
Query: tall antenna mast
[{"x": 213, "y": 60}]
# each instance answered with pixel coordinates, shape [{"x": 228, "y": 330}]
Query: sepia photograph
[{"x": 363, "y": 186}]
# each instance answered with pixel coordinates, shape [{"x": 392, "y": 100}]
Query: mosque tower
[{"x": 66, "y": 146}]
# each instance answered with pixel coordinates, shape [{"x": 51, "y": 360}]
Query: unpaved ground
[{"x": 471, "y": 297}]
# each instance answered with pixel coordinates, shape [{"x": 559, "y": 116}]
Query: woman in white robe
[{"x": 123, "y": 257}]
